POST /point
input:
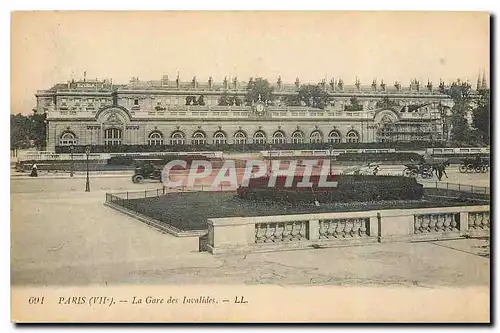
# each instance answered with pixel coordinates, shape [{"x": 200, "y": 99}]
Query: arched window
[
  {"x": 279, "y": 137},
  {"x": 316, "y": 137},
  {"x": 177, "y": 138},
  {"x": 352, "y": 137},
  {"x": 240, "y": 138},
  {"x": 155, "y": 139},
  {"x": 334, "y": 137},
  {"x": 259, "y": 137},
  {"x": 220, "y": 138},
  {"x": 297, "y": 137},
  {"x": 199, "y": 138},
  {"x": 68, "y": 139},
  {"x": 113, "y": 137}
]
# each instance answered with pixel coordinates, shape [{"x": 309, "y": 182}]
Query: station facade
[{"x": 175, "y": 113}]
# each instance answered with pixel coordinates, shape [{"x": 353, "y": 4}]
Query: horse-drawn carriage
[
  {"x": 424, "y": 170},
  {"x": 477, "y": 164}
]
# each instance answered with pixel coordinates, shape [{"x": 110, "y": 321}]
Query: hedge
[
  {"x": 349, "y": 189},
  {"x": 256, "y": 147},
  {"x": 379, "y": 157}
]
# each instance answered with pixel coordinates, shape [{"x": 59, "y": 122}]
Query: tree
[
  {"x": 313, "y": 96},
  {"x": 226, "y": 100},
  {"x": 25, "y": 130},
  {"x": 292, "y": 100},
  {"x": 37, "y": 129},
  {"x": 258, "y": 87},
  {"x": 223, "y": 100},
  {"x": 481, "y": 116},
  {"x": 19, "y": 132},
  {"x": 355, "y": 105},
  {"x": 191, "y": 100},
  {"x": 200, "y": 100},
  {"x": 460, "y": 93}
]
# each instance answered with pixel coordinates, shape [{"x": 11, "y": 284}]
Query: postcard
[{"x": 250, "y": 166}]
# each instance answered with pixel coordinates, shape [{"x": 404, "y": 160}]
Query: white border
[{"x": 7, "y": 7}]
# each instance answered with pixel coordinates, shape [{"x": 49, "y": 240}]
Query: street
[{"x": 62, "y": 235}]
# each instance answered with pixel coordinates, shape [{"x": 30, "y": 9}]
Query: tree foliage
[
  {"x": 26, "y": 131},
  {"x": 354, "y": 105},
  {"x": 19, "y": 134},
  {"x": 192, "y": 100},
  {"x": 258, "y": 87},
  {"x": 227, "y": 100},
  {"x": 460, "y": 93},
  {"x": 313, "y": 96},
  {"x": 481, "y": 116}
]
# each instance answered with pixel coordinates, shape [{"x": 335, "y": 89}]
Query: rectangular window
[{"x": 136, "y": 101}]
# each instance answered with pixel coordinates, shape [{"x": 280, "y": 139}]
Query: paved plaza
[{"x": 61, "y": 235}]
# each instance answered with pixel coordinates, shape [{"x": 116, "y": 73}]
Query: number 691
[{"x": 35, "y": 300}]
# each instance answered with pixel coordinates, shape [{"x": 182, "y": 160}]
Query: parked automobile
[{"x": 147, "y": 169}]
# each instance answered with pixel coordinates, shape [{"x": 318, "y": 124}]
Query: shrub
[{"x": 349, "y": 189}]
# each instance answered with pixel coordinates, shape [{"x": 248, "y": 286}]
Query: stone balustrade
[{"x": 288, "y": 232}]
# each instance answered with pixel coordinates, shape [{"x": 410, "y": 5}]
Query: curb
[
  {"x": 15, "y": 177},
  {"x": 167, "y": 228}
]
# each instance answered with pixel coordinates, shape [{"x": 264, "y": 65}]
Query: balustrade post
[
  {"x": 313, "y": 230},
  {"x": 373, "y": 231},
  {"x": 464, "y": 222}
]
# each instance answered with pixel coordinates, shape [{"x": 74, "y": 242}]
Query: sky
[{"x": 53, "y": 47}]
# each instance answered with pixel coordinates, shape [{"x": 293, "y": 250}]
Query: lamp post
[
  {"x": 330, "y": 149},
  {"x": 71, "y": 150},
  {"x": 87, "y": 184},
  {"x": 270, "y": 159}
]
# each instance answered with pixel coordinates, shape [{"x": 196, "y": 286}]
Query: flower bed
[{"x": 190, "y": 210}]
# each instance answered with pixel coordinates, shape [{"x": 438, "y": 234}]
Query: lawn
[{"x": 190, "y": 210}]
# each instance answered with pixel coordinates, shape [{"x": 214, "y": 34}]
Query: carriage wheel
[
  {"x": 426, "y": 175},
  {"x": 137, "y": 179},
  {"x": 484, "y": 169},
  {"x": 407, "y": 172},
  {"x": 470, "y": 168},
  {"x": 478, "y": 169},
  {"x": 462, "y": 168}
]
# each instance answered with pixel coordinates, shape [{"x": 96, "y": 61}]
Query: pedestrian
[
  {"x": 34, "y": 171},
  {"x": 440, "y": 170},
  {"x": 444, "y": 165}
]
